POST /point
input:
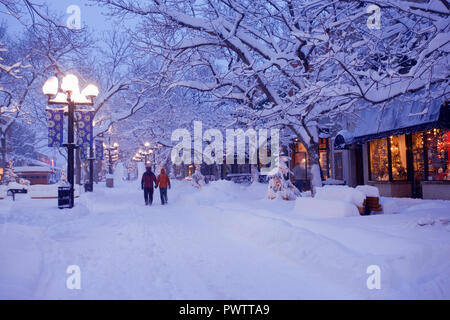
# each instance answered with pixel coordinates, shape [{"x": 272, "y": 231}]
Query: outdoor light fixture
[
  {"x": 69, "y": 84},
  {"x": 67, "y": 93},
  {"x": 50, "y": 87},
  {"x": 143, "y": 155},
  {"x": 90, "y": 91},
  {"x": 113, "y": 154}
]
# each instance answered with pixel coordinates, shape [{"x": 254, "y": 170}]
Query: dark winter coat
[{"x": 148, "y": 179}]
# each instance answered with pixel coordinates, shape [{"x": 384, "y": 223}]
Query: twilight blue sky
[{"x": 91, "y": 16}]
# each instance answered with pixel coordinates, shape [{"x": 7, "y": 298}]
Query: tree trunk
[
  {"x": 254, "y": 173},
  {"x": 3, "y": 147},
  {"x": 313, "y": 158}
]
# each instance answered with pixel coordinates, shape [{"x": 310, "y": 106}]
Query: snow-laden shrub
[
  {"x": 198, "y": 180},
  {"x": 282, "y": 188}
]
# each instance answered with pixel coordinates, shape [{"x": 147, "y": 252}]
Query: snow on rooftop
[{"x": 396, "y": 115}]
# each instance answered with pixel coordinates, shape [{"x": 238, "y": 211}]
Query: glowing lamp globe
[
  {"x": 50, "y": 87},
  {"x": 70, "y": 83},
  {"x": 90, "y": 91}
]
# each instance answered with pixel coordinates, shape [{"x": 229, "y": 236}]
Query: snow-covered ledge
[
  {"x": 436, "y": 189},
  {"x": 398, "y": 189}
]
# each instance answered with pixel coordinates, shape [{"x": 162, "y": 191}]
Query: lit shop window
[
  {"x": 438, "y": 153},
  {"x": 324, "y": 159},
  {"x": 398, "y": 156},
  {"x": 379, "y": 167},
  {"x": 300, "y": 160},
  {"x": 418, "y": 156}
]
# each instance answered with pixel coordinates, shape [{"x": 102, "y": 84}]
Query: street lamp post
[
  {"x": 69, "y": 94},
  {"x": 145, "y": 153},
  {"x": 111, "y": 149},
  {"x": 90, "y": 187}
]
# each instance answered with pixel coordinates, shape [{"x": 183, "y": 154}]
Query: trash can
[
  {"x": 110, "y": 182},
  {"x": 88, "y": 187},
  {"x": 64, "y": 197}
]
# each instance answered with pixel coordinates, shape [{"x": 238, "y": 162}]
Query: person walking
[
  {"x": 163, "y": 182},
  {"x": 147, "y": 181}
]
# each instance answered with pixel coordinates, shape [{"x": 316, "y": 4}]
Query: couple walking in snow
[{"x": 149, "y": 179}]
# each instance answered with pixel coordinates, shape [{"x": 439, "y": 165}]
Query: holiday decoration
[
  {"x": 9, "y": 175},
  {"x": 279, "y": 186},
  {"x": 198, "y": 180}
]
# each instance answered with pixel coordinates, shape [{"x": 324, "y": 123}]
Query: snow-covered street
[{"x": 226, "y": 241}]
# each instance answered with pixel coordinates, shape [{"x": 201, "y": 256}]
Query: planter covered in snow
[
  {"x": 340, "y": 193},
  {"x": 436, "y": 189},
  {"x": 398, "y": 189}
]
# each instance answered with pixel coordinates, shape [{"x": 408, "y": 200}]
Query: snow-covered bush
[
  {"x": 9, "y": 175},
  {"x": 282, "y": 188},
  {"x": 198, "y": 180}
]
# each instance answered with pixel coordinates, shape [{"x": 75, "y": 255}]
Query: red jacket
[
  {"x": 163, "y": 179},
  {"x": 148, "y": 178}
]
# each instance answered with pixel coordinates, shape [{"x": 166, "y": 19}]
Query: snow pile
[
  {"x": 21, "y": 261},
  {"x": 315, "y": 208},
  {"x": 2, "y": 191},
  {"x": 235, "y": 241},
  {"x": 48, "y": 190},
  {"x": 369, "y": 191},
  {"x": 141, "y": 170},
  {"x": 340, "y": 193},
  {"x": 428, "y": 220},
  {"x": 15, "y": 185},
  {"x": 119, "y": 173}
]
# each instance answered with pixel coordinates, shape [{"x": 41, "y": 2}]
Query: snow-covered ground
[{"x": 226, "y": 241}]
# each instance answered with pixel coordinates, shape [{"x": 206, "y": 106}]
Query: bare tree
[{"x": 290, "y": 64}]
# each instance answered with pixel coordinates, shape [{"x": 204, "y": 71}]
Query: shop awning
[{"x": 400, "y": 117}]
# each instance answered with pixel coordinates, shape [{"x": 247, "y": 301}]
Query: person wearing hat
[
  {"x": 147, "y": 182},
  {"x": 163, "y": 182}
]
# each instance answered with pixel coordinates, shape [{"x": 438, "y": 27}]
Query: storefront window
[
  {"x": 324, "y": 157},
  {"x": 379, "y": 167},
  {"x": 300, "y": 159},
  {"x": 418, "y": 161},
  {"x": 438, "y": 152},
  {"x": 398, "y": 156},
  {"x": 338, "y": 166}
]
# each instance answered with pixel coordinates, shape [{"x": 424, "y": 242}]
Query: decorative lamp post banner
[
  {"x": 55, "y": 121},
  {"x": 99, "y": 149},
  {"x": 84, "y": 131},
  {"x": 83, "y": 152}
]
